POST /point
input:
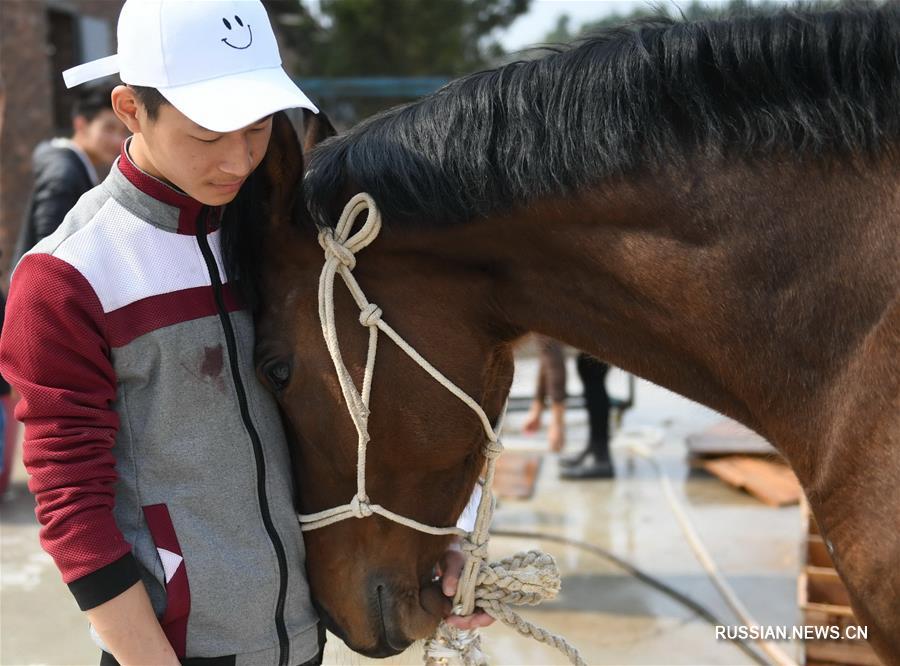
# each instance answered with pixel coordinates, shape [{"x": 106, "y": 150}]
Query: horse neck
[{"x": 738, "y": 287}]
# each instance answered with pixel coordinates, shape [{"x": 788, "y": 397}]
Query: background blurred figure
[
  {"x": 66, "y": 168},
  {"x": 594, "y": 462},
  {"x": 8, "y": 427},
  {"x": 551, "y": 383}
]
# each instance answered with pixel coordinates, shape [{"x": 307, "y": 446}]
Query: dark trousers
[{"x": 592, "y": 372}]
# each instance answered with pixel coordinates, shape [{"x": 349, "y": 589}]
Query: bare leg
[
  {"x": 556, "y": 431},
  {"x": 552, "y": 384},
  {"x": 533, "y": 420}
]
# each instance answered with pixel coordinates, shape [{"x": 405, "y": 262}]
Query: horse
[{"x": 709, "y": 205}]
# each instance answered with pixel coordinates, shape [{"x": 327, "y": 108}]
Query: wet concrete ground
[{"x": 609, "y": 615}]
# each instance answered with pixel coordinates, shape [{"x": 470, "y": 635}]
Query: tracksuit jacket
[{"x": 153, "y": 451}]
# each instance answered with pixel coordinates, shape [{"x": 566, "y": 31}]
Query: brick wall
[{"x": 27, "y": 115}]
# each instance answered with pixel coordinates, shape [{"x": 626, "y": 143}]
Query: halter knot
[
  {"x": 493, "y": 449},
  {"x": 370, "y": 315},
  {"x": 336, "y": 249},
  {"x": 360, "y": 507},
  {"x": 476, "y": 550}
]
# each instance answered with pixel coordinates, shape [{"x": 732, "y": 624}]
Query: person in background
[
  {"x": 551, "y": 383},
  {"x": 66, "y": 168},
  {"x": 594, "y": 461},
  {"x": 7, "y": 425}
]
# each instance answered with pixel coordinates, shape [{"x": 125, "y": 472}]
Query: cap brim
[
  {"x": 234, "y": 101},
  {"x": 96, "y": 69}
]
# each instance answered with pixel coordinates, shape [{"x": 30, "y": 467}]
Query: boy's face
[
  {"x": 101, "y": 138},
  {"x": 208, "y": 166}
]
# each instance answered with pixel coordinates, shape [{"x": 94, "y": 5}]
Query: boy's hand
[{"x": 449, "y": 569}]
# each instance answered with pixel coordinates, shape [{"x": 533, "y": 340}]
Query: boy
[
  {"x": 66, "y": 168},
  {"x": 158, "y": 462}
]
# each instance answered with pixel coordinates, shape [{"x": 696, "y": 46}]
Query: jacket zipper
[{"x": 216, "y": 280}]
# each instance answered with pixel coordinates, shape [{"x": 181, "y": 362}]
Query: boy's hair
[
  {"x": 91, "y": 103},
  {"x": 150, "y": 98}
]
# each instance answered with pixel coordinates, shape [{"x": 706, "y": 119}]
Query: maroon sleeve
[{"x": 53, "y": 350}]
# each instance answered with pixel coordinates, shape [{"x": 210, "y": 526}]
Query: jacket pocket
[{"x": 178, "y": 594}]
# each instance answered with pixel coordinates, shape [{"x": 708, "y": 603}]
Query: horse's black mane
[{"x": 810, "y": 79}]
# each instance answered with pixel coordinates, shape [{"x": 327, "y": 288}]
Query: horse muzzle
[{"x": 388, "y": 618}]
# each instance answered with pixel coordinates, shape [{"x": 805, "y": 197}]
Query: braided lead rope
[
  {"x": 526, "y": 578},
  {"x": 492, "y": 587}
]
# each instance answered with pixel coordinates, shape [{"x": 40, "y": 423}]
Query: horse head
[{"x": 372, "y": 579}]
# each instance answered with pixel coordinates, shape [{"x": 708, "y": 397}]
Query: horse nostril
[
  {"x": 378, "y": 590},
  {"x": 385, "y": 602}
]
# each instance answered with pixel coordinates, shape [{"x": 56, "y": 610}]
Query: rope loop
[
  {"x": 370, "y": 315},
  {"x": 527, "y": 578},
  {"x": 450, "y": 645},
  {"x": 336, "y": 249},
  {"x": 360, "y": 507}
]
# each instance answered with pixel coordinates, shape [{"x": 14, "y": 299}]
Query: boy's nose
[
  {"x": 238, "y": 162},
  {"x": 238, "y": 167}
]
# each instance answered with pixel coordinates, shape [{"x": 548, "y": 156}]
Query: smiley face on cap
[{"x": 238, "y": 21}]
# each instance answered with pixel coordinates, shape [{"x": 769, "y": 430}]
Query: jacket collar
[
  {"x": 68, "y": 144},
  {"x": 157, "y": 202}
]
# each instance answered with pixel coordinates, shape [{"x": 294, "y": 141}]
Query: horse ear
[
  {"x": 316, "y": 127},
  {"x": 283, "y": 166}
]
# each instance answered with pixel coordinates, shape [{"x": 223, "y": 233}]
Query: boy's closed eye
[
  {"x": 259, "y": 126},
  {"x": 211, "y": 137}
]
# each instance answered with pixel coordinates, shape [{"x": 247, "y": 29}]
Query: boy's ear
[
  {"x": 316, "y": 127},
  {"x": 283, "y": 167},
  {"x": 125, "y": 106},
  {"x": 79, "y": 123}
]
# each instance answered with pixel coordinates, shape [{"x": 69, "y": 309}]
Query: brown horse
[{"x": 712, "y": 206}]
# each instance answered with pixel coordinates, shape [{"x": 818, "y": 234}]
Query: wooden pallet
[
  {"x": 771, "y": 482},
  {"x": 516, "y": 475},
  {"x": 741, "y": 458},
  {"x": 824, "y": 602}
]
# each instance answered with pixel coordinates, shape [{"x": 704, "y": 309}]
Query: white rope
[
  {"x": 525, "y": 578},
  {"x": 773, "y": 651}
]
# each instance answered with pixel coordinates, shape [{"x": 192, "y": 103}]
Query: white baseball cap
[{"x": 216, "y": 61}]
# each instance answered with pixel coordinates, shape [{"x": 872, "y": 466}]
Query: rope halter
[{"x": 527, "y": 577}]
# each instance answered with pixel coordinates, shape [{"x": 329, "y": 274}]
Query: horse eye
[
  {"x": 227, "y": 24},
  {"x": 278, "y": 373},
  {"x": 239, "y": 21}
]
